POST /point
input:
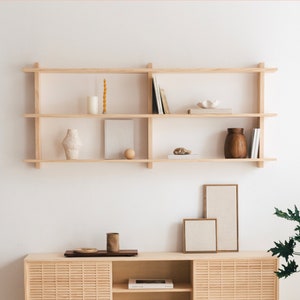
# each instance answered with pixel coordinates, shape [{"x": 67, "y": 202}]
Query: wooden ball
[{"x": 129, "y": 153}]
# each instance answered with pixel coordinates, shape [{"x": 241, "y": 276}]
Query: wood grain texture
[{"x": 234, "y": 276}]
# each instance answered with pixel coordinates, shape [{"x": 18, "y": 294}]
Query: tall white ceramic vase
[{"x": 72, "y": 144}]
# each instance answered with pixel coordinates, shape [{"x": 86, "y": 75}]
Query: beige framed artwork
[
  {"x": 221, "y": 202},
  {"x": 200, "y": 235}
]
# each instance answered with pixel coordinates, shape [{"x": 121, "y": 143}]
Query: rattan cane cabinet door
[
  {"x": 74, "y": 280},
  {"x": 240, "y": 279}
]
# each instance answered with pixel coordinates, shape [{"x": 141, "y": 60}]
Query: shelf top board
[{"x": 149, "y": 70}]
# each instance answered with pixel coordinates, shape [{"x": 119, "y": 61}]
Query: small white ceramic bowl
[{"x": 208, "y": 104}]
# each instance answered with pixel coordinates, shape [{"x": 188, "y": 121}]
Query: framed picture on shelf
[
  {"x": 199, "y": 235},
  {"x": 221, "y": 202},
  {"x": 118, "y": 136}
]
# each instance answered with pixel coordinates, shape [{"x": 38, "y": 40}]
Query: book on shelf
[
  {"x": 255, "y": 143},
  {"x": 164, "y": 101},
  {"x": 157, "y": 95},
  {"x": 150, "y": 284},
  {"x": 199, "y": 111},
  {"x": 154, "y": 102}
]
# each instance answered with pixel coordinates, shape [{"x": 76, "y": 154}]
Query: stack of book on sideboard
[{"x": 150, "y": 284}]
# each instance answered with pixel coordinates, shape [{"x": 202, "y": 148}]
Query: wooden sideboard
[{"x": 239, "y": 275}]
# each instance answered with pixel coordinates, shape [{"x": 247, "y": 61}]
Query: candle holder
[
  {"x": 104, "y": 96},
  {"x": 92, "y": 105}
]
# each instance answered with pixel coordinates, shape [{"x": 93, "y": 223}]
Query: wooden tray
[{"x": 99, "y": 253}]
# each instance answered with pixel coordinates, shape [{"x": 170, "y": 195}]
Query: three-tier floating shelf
[{"x": 259, "y": 115}]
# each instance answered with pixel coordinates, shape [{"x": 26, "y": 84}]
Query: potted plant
[{"x": 286, "y": 249}]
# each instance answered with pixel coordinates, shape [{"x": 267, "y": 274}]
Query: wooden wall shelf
[{"x": 259, "y": 116}]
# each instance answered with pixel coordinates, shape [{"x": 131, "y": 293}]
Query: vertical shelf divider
[
  {"x": 37, "y": 119},
  {"x": 261, "y": 110},
  {"x": 150, "y": 120}
]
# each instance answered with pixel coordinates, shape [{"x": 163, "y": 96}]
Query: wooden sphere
[{"x": 129, "y": 153}]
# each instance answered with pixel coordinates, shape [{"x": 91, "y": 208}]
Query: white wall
[{"x": 64, "y": 206}]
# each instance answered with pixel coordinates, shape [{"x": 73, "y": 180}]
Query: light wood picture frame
[
  {"x": 118, "y": 136},
  {"x": 200, "y": 235},
  {"x": 221, "y": 202}
]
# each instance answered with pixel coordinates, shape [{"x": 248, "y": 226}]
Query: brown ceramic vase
[{"x": 235, "y": 143}]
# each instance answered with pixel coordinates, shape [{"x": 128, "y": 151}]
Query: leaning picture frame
[
  {"x": 221, "y": 202},
  {"x": 200, "y": 235}
]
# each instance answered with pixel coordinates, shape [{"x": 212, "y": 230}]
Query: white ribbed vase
[{"x": 72, "y": 144}]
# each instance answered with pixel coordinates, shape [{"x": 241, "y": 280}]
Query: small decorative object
[
  {"x": 235, "y": 143},
  {"x": 104, "y": 96},
  {"x": 129, "y": 153},
  {"x": 71, "y": 144},
  {"x": 112, "y": 242},
  {"x": 92, "y": 105},
  {"x": 287, "y": 249},
  {"x": 221, "y": 202},
  {"x": 208, "y": 104},
  {"x": 181, "y": 151},
  {"x": 200, "y": 235},
  {"x": 86, "y": 250}
]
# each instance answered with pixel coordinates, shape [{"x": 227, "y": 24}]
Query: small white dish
[{"x": 208, "y": 104}]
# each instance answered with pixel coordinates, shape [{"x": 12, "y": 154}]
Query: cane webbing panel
[
  {"x": 68, "y": 280},
  {"x": 240, "y": 279}
]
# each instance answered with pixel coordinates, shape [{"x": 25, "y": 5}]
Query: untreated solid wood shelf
[
  {"x": 259, "y": 115},
  {"x": 148, "y": 70}
]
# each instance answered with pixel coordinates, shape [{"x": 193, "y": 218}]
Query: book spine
[
  {"x": 164, "y": 101},
  {"x": 255, "y": 143},
  {"x": 154, "y": 101},
  {"x": 157, "y": 94}
]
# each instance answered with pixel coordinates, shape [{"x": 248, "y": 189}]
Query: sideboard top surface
[{"x": 153, "y": 256}]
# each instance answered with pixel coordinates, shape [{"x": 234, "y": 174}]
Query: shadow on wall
[{"x": 12, "y": 280}]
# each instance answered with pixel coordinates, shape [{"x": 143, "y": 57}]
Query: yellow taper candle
[{"x": 104, "y": 96}]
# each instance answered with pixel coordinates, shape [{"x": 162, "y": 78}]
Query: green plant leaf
[
  {"x": 284, "y": 250},
  {"x": 289, "y": 215},
  {"x": 287, "y": 270}
]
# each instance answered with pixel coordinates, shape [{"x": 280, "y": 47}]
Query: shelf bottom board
[
  {"x": 178, "y": 288},
  {"x": 150, "y": 160}
]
